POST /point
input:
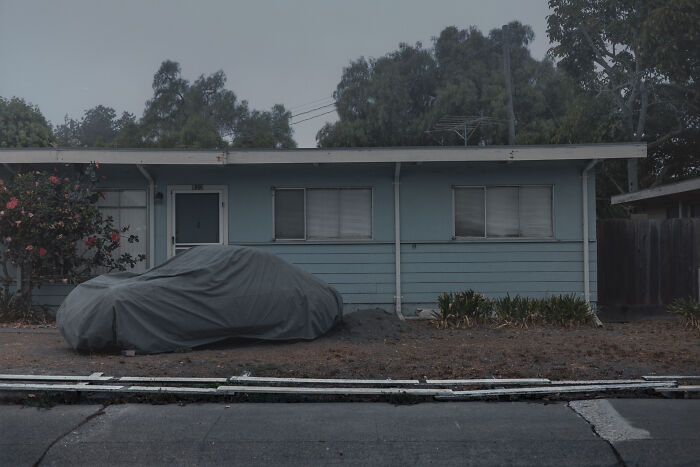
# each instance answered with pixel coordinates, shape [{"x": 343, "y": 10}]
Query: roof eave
[
  {"x": 326, "y": 156},
  {"x": 657, "y": 192}
]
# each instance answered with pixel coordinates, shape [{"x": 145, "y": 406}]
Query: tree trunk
[{"x": 25, "y": 291}]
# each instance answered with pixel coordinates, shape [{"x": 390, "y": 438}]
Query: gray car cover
[{"x": 204, "y": 295}]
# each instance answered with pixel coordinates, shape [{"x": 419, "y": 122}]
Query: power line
[
  {"x": 311, "y": 102},
  {"x": 315, "y": 116},
  {"x": 312, "y": 110}
]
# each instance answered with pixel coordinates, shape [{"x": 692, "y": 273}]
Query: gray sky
[{"x": 70, "y": 55}]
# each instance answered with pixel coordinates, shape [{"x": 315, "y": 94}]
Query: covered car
[{"x": 204, "y": 295}]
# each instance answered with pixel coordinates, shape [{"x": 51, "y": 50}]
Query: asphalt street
[{"x": 593, "y": 432}]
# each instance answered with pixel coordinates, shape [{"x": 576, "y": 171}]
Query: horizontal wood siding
[
  {"x": 535, "y": 269},
  {"x": 362, "y": 272}
]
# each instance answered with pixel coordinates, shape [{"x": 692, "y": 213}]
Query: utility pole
[{"x": 509, "y": 90}]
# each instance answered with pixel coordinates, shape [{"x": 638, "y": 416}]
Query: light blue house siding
[{"x": 432, "y": 261}]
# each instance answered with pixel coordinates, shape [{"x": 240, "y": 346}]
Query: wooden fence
[{"x": 644, "y": 265}]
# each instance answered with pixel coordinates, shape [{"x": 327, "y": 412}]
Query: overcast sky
[{"x": 70, "y": 55}]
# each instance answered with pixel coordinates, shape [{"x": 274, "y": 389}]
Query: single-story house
[
  {"x": 670, "y": 201},
  {"x": 388, "y": 227}
]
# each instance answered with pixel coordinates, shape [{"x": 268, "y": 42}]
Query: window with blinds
[
  {"x": 323, "y": 213},
  {"x": 503, "y": 211}
]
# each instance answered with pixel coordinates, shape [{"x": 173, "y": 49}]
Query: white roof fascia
[
  {"x": 327, "y": 156},
  {"x": 657, "y": 191}
]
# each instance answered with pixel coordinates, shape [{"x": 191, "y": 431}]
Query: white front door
[{"x": 197, "y": 215}]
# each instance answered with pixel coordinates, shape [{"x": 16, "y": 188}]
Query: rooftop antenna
[{"x": 462, "y": 125}]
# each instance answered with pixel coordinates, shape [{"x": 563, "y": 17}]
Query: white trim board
[
  {"x": 222, "y": 190},
  {"x": 658, "y": 191},
  {"x": 327, "y": 156}
]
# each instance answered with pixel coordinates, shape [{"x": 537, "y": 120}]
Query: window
[
  {"x": 503, "y": 211},
  {"x": 323, "y": 213},
  {"x": 128, "y": 208}
]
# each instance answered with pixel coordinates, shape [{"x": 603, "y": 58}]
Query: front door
[{"x": 197, "y": 216}]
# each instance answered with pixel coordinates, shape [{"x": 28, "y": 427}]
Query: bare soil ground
[{"x": 374, "y": 344}]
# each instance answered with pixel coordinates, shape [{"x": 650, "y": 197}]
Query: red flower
[
  {"x": 115, "y": 237},
  {"x": 12, "y": 203},
  {"x": 54, "y": 179},
  {"x": 42, "y": 251},
  {"x": 91, "y": 241},
  {"x": 29, "y": 248}
]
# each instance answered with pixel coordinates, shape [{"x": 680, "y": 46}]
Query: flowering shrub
[{"x": 52, "y": 229}]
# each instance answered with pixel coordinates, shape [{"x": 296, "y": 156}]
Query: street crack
[
  {"x": 101, "y": 411},
  {"x": 617, "y": 455}
]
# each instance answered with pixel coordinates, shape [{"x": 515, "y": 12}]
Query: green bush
[
  {"x": 462, "y": 309},
  {"x": 566, "y": 310},
  {"x": 470, "y": 308},
  {"x": 688, "y": 310},
  {"x": 520, "y": 311}
]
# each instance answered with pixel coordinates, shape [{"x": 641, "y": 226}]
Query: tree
[
  {"x": 393, "y": 100},
  {"x": 52, "y": 227},
  {"x": 68, "y": 133},
  {"x": 636, "y": 63},
  {"x": 99, "y": 126},
  {"x": 22, "y": 125},
  {"x": 205, "y": 114},
  {"x": 382, "y": 102},
  {"x": 258, "y": 129}
]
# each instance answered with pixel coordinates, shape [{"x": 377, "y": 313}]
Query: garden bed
[{"x": 374, "y": 344}]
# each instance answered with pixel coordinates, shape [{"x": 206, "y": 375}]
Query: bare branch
[{"x": 665, "y": 138}]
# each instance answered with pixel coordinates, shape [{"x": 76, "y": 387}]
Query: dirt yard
[{"x": 373, "y": 344}]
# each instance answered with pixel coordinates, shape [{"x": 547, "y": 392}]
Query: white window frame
[
  {"x": 222, "y": 190},
  {"x": 147, "y": 208},
  {"x": 337, "y": 239},
  {"x": 486, "y": 236}
]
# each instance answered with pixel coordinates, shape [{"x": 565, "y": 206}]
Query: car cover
[{"x": 204, "y": 295}]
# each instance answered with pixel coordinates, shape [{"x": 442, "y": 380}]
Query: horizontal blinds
[
  {"x": 355, "y": 213},
  {"x": 322, "y": 217},
  {"x": 338, "y": 213},
  {"x": 469, "y": 212},
  {"x": 535, "y": 211},
  {"x": 502, "y": 211}
]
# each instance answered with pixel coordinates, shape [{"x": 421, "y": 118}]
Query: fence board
[{"x": 647, "y": 264}]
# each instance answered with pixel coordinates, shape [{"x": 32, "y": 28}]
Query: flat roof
[
  {"x": 683, "y": 186},
  {"x": 325, "y": 155}
]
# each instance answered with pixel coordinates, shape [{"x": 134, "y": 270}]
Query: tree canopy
[
  {"x": 393, "y": 100},
  {"x": 635, "y": 63},
  {"x": 22, "y": 125},
  {"x": 180, "y": 114}
]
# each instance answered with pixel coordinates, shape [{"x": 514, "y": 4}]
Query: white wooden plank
[
  {"x": 58, "y": 387},
  {"x": 689, "y": 388},
  {"x": 168, "y": 390},
  {"x": 330, "y": 391},
  {"x": 671, "y": 378},
  {"x": 92, "y": 377},
  {"x": 597, "y": 381},
  {"x": 328, "y": 156},
  {"x": 477, "y": 393},
  {"x": 294, "y": 381},
  {"x": 488, "y": 382},
  {"x": 658, "y": 191},
  {"x": 167, "y": 379}
]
